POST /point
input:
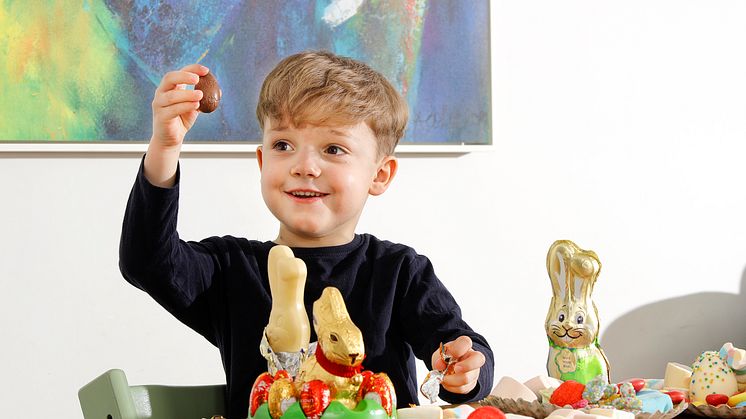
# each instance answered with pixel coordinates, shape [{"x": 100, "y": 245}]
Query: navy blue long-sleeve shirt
[{"x": 219, "y": 287}]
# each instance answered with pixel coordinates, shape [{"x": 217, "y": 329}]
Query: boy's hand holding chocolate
[
  {"x": 174, "y": 113},
  {"x": 175, "y": 107},
  {"x": 463, "y": 370}
]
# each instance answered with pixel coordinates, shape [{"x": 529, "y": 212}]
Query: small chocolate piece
[{"x": 211, "y": 93}]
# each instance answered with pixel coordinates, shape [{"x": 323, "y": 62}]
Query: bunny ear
[
  {"x": 585, "y": 267},
  {"x": 337, "y": 304},
  {"x": 330, "y": 307},
  {"x": 276, "y": 255},
  {"x": 557, "y": 266}
]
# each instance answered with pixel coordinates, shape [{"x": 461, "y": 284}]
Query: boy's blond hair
[{"x": 322, "y": 88}]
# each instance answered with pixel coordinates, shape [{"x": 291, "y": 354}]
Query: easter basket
[
  {"x": 722, "y": 411},
  {"x": 540, "y": 410}
]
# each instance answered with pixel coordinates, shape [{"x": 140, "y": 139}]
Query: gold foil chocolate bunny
[{"x": 572, "y": 321}]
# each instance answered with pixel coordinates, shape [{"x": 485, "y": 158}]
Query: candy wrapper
[
  {"x": 430, "y": 388},
  {"x": 288, "y": 361},
  {"x": 572, "y": 321}
]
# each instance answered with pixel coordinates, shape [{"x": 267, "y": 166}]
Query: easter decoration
[
  {"x": 715, "y": 384},
  {"x": 329, "y": 381},
  {"x": 578, "y": 383},
  {"x": 285, "y": 343},
  {"x": 572, "y": 320}
]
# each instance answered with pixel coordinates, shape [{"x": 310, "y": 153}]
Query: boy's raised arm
[
  {"x": 174, "y": 113},
  {"x": 151, "y": 255}
]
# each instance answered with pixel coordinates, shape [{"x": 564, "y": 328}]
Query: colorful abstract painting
[{"x": 86, "y": 70}]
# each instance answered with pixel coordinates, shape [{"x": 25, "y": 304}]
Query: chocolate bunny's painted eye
[
  {"x": 561, "y": 317},
  {"x": 333, "y": 337},
  {"x": 579, "y": 319}
]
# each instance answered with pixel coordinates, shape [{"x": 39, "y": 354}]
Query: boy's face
[{"x": 316, "y": 179}]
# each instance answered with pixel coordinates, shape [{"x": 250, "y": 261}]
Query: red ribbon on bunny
[{"x": 336, "y": 369}]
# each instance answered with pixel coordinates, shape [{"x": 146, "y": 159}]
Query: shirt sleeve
[
  {"x": 152, "y": 257},
  {"x": 432, "y": 316}
]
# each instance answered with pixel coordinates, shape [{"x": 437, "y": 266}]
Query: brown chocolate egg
[{"x": 211, "y": 93}]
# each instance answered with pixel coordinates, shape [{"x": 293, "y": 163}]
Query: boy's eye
[
  {"x": 333, "y": 149},
  {"x": 281, "y": 146}
]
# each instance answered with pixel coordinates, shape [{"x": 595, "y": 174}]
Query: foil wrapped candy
[
  {"x": 430, "y": 388},
  {"x": 288, "y": 361}
]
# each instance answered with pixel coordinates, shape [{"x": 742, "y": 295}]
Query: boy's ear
[
  {"x": 384, "y": 176},
  {"x": 259, "y": 157}
]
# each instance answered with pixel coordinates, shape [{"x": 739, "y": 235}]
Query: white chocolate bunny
[
  {"x": 288, "y": 331},
  {"x": 572, "y": 321}
]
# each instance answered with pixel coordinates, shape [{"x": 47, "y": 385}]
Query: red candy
[
  {"x": 315, "y": 397},
  {"x": 676, "y": 396},
  {"x": 716, "y": 399},
  {"x": 568, "y": 393},
  {"x": 365, "y": 383},
  {"x": 282, "y": 374},
  {"x": 486, "y": 412},
  {"x": 637, "y": 383},
  {"x": 260, "y": 391},
  {"x": 380, "y": 385}
]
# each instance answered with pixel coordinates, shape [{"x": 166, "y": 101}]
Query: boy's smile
[{"x": 316, "y": 180}]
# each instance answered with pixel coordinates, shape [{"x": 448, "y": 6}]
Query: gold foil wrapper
[{"x": 281, "y": 396}]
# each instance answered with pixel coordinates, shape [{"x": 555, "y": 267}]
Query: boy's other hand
[
  {"x": 463, "y": 374},
  {"x": 174, "y": 107}
]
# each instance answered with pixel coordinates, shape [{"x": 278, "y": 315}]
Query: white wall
[{"x": 619, "y": 125}]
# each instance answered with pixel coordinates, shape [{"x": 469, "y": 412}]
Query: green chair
[{"x": 110, "y": 396}]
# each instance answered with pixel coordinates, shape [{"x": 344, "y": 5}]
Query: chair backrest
[
  {"x": 110, "y": 396},
  {"x": 167, "y": 402}
]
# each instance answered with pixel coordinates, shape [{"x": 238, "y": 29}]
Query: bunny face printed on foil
[{"x": 572, "y": 320}]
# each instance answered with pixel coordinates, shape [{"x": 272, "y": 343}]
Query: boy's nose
[{"x": 306, "y": 165}]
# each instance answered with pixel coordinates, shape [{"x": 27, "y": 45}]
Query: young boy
[{"x": 330, "y": 125}]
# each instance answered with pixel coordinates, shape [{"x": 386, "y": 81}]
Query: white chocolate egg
[{"x": 711, "y": 375}]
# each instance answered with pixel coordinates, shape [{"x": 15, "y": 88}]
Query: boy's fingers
[
  {"x": 460, "y": 380},
  {"x": 179, "y": 109},
  {"x": 173, "y": 97},
  {"x": 473, "y": 360},
  {"x": 459, "y": 347},
  {"x": 174, "y": 78},
  {"x": 198, "y": 69},
  {"x": 438, "y": 363}
]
